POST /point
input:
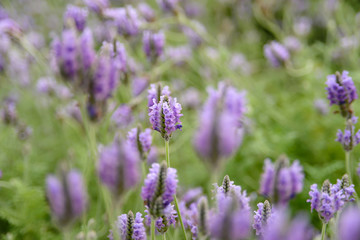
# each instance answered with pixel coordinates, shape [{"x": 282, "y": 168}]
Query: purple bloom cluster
[
  {"x": 168, "y": 5},
  {"x": 165, "y": 115},
  {"x": 122, "y": 117},
  {"x": 67, "y": 196},
  {"x": 347, "y": 139},
  {"x": 281, "y": 181},
  {"x": 281, "y": 227},
  {"x": 97, "y": 6},
  {"x": 231, "y": 220},
  {"x": 349, "y": 222},
  {"x": 118, "y": 166},
  {"x": 77, "y": 16},
  {"x": 140, "y": 141},
  {"x": 130, "y": 227},
  {"x": 158, "y": 193},
  {"x": 155, "y": 92},
  {"x": 276, "y": 53},
  {"x": 126, "y": 20},
  {"x": 146, "y": 11},
  {"x": 220, "y": 132},
  {"x": 153, "y": 45},
  {"x": 341, "y": 91},
  {"x": 262, "y": 217},
  {"x": 331, "y": 198}
]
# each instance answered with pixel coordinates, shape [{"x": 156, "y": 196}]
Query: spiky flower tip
[
  {"x": 276, "y": 53},
  {"x": 165, "y": 116},
  {"x": 280, "y": 181},
  {"x": 67, "y": 196},
  {"x": 282, "y": 227},
  {"x": 155, "y": 92},
  {"x": 220, "y": 132},
  {"x": 118, "y": 166},
  {"x": 130, "y": 227},
  {"x": 342, "y": 92},
  {"x": 158, "y": 193},
  {"x": 331, "y": 198},
  {"x": 349, "y": 222},
  {"x": 231, "y": 219},
  {"x": 140, "y": 141},
  {"x": 153, "y": 45},
  {"x": 262, "y": 217}
]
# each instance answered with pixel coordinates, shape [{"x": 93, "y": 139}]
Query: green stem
[
  {"x": 180, "y": 218},
  {"x": 323, "y": 231},
  {"x": 67, "y": 234},
  {"x": 164, "y": 236},
  {"x": 153, "y": 229},
  {"x": 347, "y": 164},
  {"x": 167, "y": 153}
]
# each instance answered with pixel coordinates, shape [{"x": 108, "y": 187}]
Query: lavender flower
[
  {"x": 189, "y": 215},
  {"x": 179, "y": 55},
  {"x": 281, "y": 182},
  {"x": 232, "y": 219},
  {"x": 139, "y": 84},
  {"x": 87, "y": 52},
  {"x": 276, "y": 53},
  {"x": 262, "y": 217},
  {"x": 168, "y": 5},
  {"x": 126, "y": 20},
  {"x": 158, "y": 193},
  {"x": 67, "y": 196},
  {"x": 281, "y": 227},
  {"x": 140, "y": 141},
  {"x": 146, "y": 11},
  {"x": 348, "y": 225},
  {"x": 98, "y": 6},
  {"x": 130, "y": 227},
  {"x": 68, "y": 54},
  {"x": 220, "y": 132},
  {"x": 77, "y": 15},
  {"x": 10, "y": 27},
  {"x": 153, "y": 45},
  {"x": 122, "y": 116},
  {"x": 118, "y": 167},
  {"x": 331, "y": 198},
  {"x": 8, "y": 113},
  {"x": 155, "y": 92},
  {"x": 321, "y": 106},
  {"x": 165, "y": 116},
  {"x": 342, "y": 92}
]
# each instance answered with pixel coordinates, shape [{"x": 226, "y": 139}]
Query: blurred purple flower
[
  {"x": 126, "y": 20},
  {"x": 153, "y": 45},
  {"x": 140, "y": 141},
  {"x": 349, "y": 222},
  {"x": 146, "y": 11},
  {"x": 98, "y": 6},
  {"x": 122, "y": 116},
  {"x": 276, "y": 53},
  {"x": 77, "y": 16}
]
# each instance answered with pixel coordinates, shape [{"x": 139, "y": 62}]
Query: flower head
[
  {"x": 276, "y": 53},
  {"x": 262, "y": 217},
  {"x": 67, "y": 196},
  {"x": 281, "y": 181},
  {"x": 118, "y": 167},
  {"x": 130, "y": 227},
  {"x": 140, "y": 141},
  {"x": 77, "y": 15},
  {"x": 153, "y": 45}
]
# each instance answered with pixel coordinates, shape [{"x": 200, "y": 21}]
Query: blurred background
[{"x": 287, "y": 111}]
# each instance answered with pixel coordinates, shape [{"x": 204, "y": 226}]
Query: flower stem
[
  {"x": 323, "y": 231},
  {"x": 347, "y": 165},
  {"x": 164, "y": 236},
  {"x": 167, "y": 153},
  {"x": 153, "y": 229}
]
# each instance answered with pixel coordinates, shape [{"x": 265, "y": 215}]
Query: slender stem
[
  {"x": 152, "y": 229},
  {"x": 164, "y": 236},
  {"x": 347, "y": 164},
  {"x": 323, "y": 231},
  {"x": 67, "y": 234},
  {"x": 167, "y": 152},
  {"x": 144, "y": 169}
]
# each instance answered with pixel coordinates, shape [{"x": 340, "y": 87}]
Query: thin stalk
[
  {"x": 347, "y": 165},
  {"x": 67, "y": 234},
  {"x": 164, "y": 236},
  {"x": 167, "y": 153},
  {"x": 323, "y": 231},
  {"x": 152, "y": 229}
]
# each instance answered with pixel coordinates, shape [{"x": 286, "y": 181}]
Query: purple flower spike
[
  {"x": 331, "y": 198},
  {"x": 67, "y": 196},
  {"x": 168, "y": 5},
  {"x": 165, "y": 116},
  {"x": 262, "y": 217},
  {"x": 220, "y": 132},
  {"x": 158, "y": 193},
  {"x": 69, "y": 50},
  {"x": 98, "y": 6},
  {"x": 140, "y": 141},
  {"x": 282, "y": 182},
  {"x": 126, "y": 20},
  {"x": 276, "y": 53},
  {"x": 281, "y": 227},
  {"x": 146, "y": 11},
  {"x": 153, "y": 45},
  {"x": 342, "y": 92},
  {"x": 118, "y": 167},
  {"x": 130, "y": 227},
  {"x": 348, "y": 226},
  {"x": 77, "y": 15},
  {"x": 87, "y": 52},
  {"x": 122, "y": 116},
  {"x": 155, "y": 92}
]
